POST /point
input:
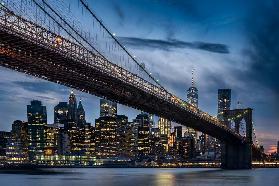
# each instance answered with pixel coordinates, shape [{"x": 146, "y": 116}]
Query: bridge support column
[
  {"x": 239, "y": 156},
  {"x": 236, "y": 156}
]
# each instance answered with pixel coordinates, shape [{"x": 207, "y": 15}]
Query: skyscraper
[
  {"x": 80, "y": 116},
  {"x": 72, "y": 114},
  {"x": 61, "y": 113},
  {"x": 193, "y": 99},
  {"x": 108, "y": 108},
  {"x": 224, "y": 101},
  {"x": 143, "y": 138},
  {"x": 18, "y": 143},
  {"x": 164, "y": 126},
  {"x": 277, "y": 147},
  {"x": 192, "y": 93},
  {"x": 37, "y": 122},
  {"x": 106, "y": 137},
  {"x": 178, "y": 131}
]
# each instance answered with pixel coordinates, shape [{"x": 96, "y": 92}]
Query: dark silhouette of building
[
  {"x": 81, "y": 122},
  {"x": 72, "y": 113},
  {"x": 224, "y": 101},
  {"x": 178, "y": 132},
  {"x": 186, "y": 148},
  {"x": 61, "y": 114}
]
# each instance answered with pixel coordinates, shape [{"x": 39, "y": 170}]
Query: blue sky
[{"x": 231, "y": 44}]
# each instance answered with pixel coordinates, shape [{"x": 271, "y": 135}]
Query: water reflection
[
  {"x": 164, "y": 178},
  {"x": 142, "y": 176}
]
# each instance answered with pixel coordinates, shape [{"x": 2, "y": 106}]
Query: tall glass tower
[
  {"x": 72, "y": 113},
  {"x": 37, "y": 122},
  {"x": 224, "y": 101},
  {"x": 80, "y": 115},
  {"x": 193, "y": 93}
]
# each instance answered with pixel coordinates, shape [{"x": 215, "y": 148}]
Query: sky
[{"x": 230, "y": 44}]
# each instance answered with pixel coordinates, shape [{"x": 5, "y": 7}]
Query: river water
[{"x": 141, "y": 177}]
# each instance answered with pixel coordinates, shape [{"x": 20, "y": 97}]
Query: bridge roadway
[{"x": 34, "y": 50}]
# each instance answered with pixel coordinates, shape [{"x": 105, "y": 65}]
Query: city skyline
[{"x": 17, "y": 88}]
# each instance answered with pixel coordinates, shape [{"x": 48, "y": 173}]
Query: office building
[
  {"x": 108, "y": 108},
  {"x": 37, "y": 123}
]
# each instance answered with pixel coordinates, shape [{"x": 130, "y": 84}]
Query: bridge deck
[{"x": 31, "y": 49}]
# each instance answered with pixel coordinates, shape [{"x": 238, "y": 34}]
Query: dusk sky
[{"x": 230, "y": 44}]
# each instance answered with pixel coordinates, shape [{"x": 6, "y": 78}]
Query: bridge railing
[{"x": 41, "y": 36}]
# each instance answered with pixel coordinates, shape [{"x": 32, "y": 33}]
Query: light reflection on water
[{"x": 141, "y": 176}]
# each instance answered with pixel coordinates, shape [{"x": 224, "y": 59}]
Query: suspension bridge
[{"x": 46, "y": 39}]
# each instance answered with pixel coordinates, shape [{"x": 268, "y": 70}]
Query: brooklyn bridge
[{"x": 39, "y": 40}]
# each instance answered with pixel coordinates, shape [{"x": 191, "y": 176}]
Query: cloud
[
  {"x": 40, "y": 87},
  {"x": 119, "y": 12},
  {"x": 172, "y": 44},
  {"x": 262, "y": 28}
]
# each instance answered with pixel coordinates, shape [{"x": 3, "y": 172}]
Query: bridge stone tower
[{"x": 238, "y": 155}]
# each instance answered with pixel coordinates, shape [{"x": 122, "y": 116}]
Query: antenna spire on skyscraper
[{"x": 193, "y": 83}]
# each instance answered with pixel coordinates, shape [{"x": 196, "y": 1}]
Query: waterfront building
[
  {"x": 157, "y": 149},
  {"x": 4, "y": 136},
  {"x": 76, "y": 137},
  {"x": 63, "y": 147},
  {"x": 143, "y": 137},
  {"x": 51, "y": 144},
  {"x": 186, "y": 148},
  {"x": 106, "y": 137},
  {"x": 37, "y": 122},
  {"x": 89, "y": 140},
  {"x": 17, "y": 144},
  {"x": 16, "y": 151},
  {"x": 121, "y": 135}
]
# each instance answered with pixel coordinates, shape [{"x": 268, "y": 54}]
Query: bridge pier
[{"x": 238, "y": 155}]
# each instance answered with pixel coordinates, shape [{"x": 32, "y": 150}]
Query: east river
[{"x": 141, "y": 177}]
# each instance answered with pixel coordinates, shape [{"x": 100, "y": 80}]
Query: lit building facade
[
  {"x": 164, "y": 126},
  {"x": 224, "y": 101},
  {"x": 51, "y": 143},
  {"x": 108, "y": 108},
  {"x": 4, "y": 136},
  {"x": 17, "y": 144},
  {"x": 193, "y": 99},
  {"x": 37, "y": 123},
  {"x": 106, "y": 137},
  {"x": 193, "y": 93},
  {"x": 143, "y": 138}
]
